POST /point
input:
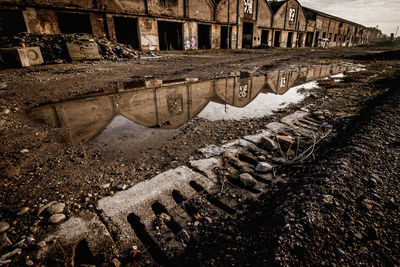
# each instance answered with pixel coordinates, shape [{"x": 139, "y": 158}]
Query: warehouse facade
[{"x": 184, "y": 24}]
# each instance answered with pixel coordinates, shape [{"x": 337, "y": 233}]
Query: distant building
[
  {"x": 376, "y": 34},
  {"x": 184, "y": 24}
]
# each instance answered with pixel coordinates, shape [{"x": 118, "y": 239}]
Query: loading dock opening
[
  {"x": 126, "y": 30},
  {"x": 289, "y": 39},
  {"x": 277, "y": 39},
  {"x": 74, "y": 23},
  {"x": 247, "y": 39},
  {"x": 170, "y": 35},
  {"x": 264, "y": 37},
  {"x": 316, "y": 39},
  {"x": 11, "y": 22},
  {"x": 299, "y": 41},
  {"x": 224, "y": 37},
  {"x": 204, "y": 36},
  {"x": 309, "y": 39}
]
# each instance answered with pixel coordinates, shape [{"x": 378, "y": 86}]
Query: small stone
[
  {"x": 284, "y": 141},
  {"x": 57, "y": 218},
  {"x": 196, "y": 223},
  {"x": 4, "y": 227},
  {"x": 55, "y": 208},
  {"x": 174, "y": 164},
  {"x": 261, "y": 158},
  {"x": 122, "y": 186},
  {"x": 4, "y": 110},
  {"x": 263, "y": 167},
  {"x": 377, "y": 178},
  {"x": 367, "y": 204},
  {"x": 115, "y": 263},
  {"x": 41, "y": 244},
  {"x": 4, "y": 241},
  {"x": 327, "y": 199},
  {"x": 23, "y": 151},
  {"x": 29, "y": 263},
  {"x": 247, "y": 180},
  {"x": 269, "y": 144},
  {"x": 317, "y": 113},
  {"x": 210, "y": 151},
  {"x": 340, "y": 252},
  {"x": 29, "y": 239},
  {"x": 373, "y": 182},
  {"x": 363, "y": 250},
  {"x": 184, "y": 236},
  {"x": 105, "y": 186},
  {"x": 359, "y": 235},
  {"x": 165, "y": 217},
  {"x": 22, "y": 211},
  {"x": 326, "y": 125}
]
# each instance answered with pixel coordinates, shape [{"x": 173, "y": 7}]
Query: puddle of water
[
  {"x": 148, "y": 113},
  {"x": 264, "y": 104}
]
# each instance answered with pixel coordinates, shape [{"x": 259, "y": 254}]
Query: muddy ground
[{"x": 49, "y": 169}]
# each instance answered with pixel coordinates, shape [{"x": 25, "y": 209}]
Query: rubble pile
[{"x": 54, "y": 49}]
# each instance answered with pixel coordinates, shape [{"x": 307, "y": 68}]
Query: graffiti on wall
[
  {"x": 149, "y": 40},
  {"x": 248, "y": 6},
  {"x": 283, "y": 82},
  {"x": 190, "y": 42},
  {"x": 292, "y": 13},
  {"x": 243, "y": 91}
]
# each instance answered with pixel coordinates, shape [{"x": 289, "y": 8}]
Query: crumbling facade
[{"x": 184, "y": 24}]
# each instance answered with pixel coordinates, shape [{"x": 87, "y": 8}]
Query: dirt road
[{"x": 38, "y": 165}]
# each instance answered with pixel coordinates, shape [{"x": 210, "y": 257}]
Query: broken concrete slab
[
  {"x": 83, "y": 49},
  {"x": 137, "y": 201},
  {"x": 21, "y": 56},
  {"x": 87, "y": 229},
  {"x": 211, "y": 151},
  {"x": 207, "y": 166},
  {"x": 256, "y": 138},
  {"x": 276, "y": 127},
  {"x": 294, "y": 118}
]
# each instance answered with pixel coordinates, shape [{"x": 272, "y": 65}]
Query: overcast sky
[{"x": 385, "y": 13}]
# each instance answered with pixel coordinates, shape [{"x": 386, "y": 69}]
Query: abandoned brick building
[{"x": 184, "y": 24}]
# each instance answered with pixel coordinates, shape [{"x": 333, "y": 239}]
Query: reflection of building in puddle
[
  {"x": 169, "y": 105},
  {"x": 238, "y": 90}
]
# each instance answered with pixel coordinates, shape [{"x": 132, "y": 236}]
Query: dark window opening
[
  {"x": 170, "y": 35},
  {"x": 277, "y": 39},
  {"x": 264, "y": 37},
  {"x": 247, "y": 38},
  {"x": 335, "y": 38},
  {"x": 309, "y": 39},
  {"x": 74, "y": 23},
  {"x": 204, "y": 36},
  {"x": 299, "y": 41},
  {"x": 224, "y": 37},
  {"x": 11, "y": 22},
  {"x": 126, "y": 31},
  {"x": 289, "y": 39},
  {"x": 316, "y": 39},
  {"x": 324, "y": 35}
]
